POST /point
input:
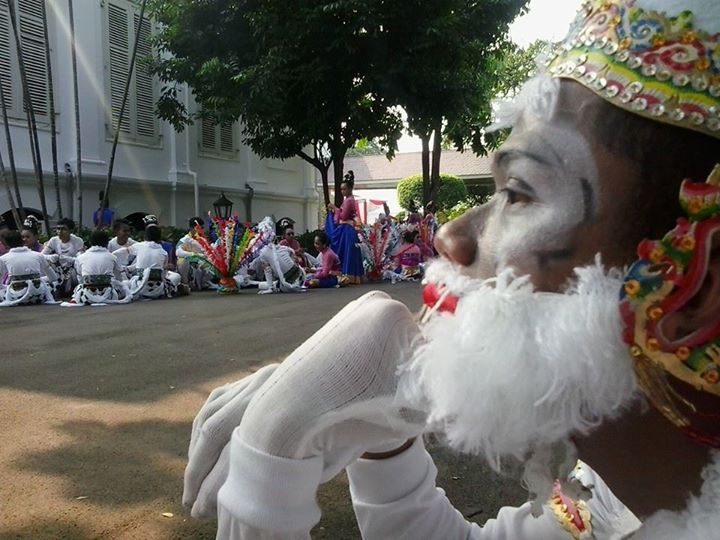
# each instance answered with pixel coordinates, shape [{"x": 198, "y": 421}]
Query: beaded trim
[
  {"x": 667, "y": 276},
  {"x": 644, "y": 62},
  {"x": 573, "y": 515}
]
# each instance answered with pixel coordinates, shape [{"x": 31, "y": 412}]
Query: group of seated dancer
[{"x": 110, "y": 271}]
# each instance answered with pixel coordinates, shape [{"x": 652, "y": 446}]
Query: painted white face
[{"x": 560, "y": 200}]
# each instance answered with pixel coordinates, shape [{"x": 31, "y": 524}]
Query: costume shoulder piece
[{"x": 668, "y": 277}]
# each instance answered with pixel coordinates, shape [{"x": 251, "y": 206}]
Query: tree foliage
[
  {"x": 410, "y": 192},
  {"x": 517, "y": 65},
  {"x": 313, "y": 77},
  {"x": 297, "y": 77}
]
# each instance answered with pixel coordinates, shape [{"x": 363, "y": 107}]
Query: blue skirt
[{"x": 343, "y": 240}]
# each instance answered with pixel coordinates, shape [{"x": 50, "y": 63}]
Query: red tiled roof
[{"x": 369, "y": 169}]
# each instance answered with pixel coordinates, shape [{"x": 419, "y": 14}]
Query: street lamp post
[{"x": 223, "y": 207}]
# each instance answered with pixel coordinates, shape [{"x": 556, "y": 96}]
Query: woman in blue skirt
[{"x": 340, "y": 227}]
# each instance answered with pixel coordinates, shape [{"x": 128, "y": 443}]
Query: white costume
[
  {"x": 29, "y": 278},
  {"x": 62, "y": 256},
  {"x": 123, "y": 255},
  {"x": 197, "y": 276},
  {"x": 100, "y": 279},
  {"x": 278, "y": 263},
  {"x": 151, "y": 279}
]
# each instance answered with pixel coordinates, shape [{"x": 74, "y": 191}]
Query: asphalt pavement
[{"x": 96, "y": 405}]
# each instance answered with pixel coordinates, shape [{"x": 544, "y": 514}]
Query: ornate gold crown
[{"x": 645, "y": 62}]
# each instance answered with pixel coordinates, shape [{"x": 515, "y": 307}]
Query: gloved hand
[
  {"x": 208, "y": 453},
  {"x": 329, "y": 402}
]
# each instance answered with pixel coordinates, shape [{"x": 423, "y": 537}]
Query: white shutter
[
  {"x": 119, "y": 60},
  {"x": 33, "y": 47},
  {"x": 144, "y": 94},
  {"x": 227, "y": 145},
  {"x": 207, "y": 135},
  {"x": 6, "y": 55}
]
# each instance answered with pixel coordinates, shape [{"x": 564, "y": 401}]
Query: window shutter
[
  {"x": 207, "y": 135},
  {"x": 227, "y": 145},
  {"x": 145, "y": 99},
  {"x": 6, "y": 55},
  {"x": 119, "y": 53},
  {"x": 33, "y": 48}
]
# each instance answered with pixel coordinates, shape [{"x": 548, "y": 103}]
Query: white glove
[
  {"x": 329, "y": 402},
  {"x": 208, "y": 453}
]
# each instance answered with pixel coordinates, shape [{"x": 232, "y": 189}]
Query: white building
[{"x": 158, "y": 171}]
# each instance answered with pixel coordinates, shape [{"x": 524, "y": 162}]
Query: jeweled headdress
[{"x": 649, "y": 57}]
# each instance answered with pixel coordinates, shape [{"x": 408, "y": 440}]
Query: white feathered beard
[{"x": 515, "y": 373}]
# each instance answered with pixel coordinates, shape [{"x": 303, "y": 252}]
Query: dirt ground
[{"x": 96, "y": 406}]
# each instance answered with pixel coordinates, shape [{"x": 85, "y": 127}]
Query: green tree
[
  {"x": 365, "y": 147},
  {"x": 296, "y": 76},
  {"x": 440, "y": 63},
  {"x": 517, "y": 65},
  {"x": 451, "y": 191}
]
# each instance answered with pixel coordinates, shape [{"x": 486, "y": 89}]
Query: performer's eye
[{"x": 516, "y": 197}]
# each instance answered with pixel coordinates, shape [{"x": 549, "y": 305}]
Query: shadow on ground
[{"x": 116, "y": 466}]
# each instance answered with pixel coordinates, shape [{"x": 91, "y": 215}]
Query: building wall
[{"x": 156, "y": 177}]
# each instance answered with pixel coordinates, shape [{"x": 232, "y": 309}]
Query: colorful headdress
[
  {"x": 648, "y": 57},
  {"x": 668, "y": 276}
]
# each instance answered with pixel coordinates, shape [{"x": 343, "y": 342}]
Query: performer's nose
[{"x": 456, "y": 242}]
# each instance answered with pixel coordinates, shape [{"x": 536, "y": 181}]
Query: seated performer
[
  {"x": 29, "y": 276},
  {"x": 152, "y": 279},
  {"x": 192, "y": 272},
  {"x": 61, "y": 251},
  {"x": 330, "y": 272},
  {"x": 30, "y": 234},
  {"x": 100, "y": 275},
  {"x": 121, "y": 230},
  {"x": 151, "y": 220},
  {"x": 536, "y": 344},
  {"x": 406, "y": 259},
  {"x": 278, "y": 262}
]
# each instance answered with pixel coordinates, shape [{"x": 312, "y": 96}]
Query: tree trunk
[
  {"x": 30, "y": 113},
  {"x": 11, "y": 157},
  {"x": 11, "y": 199},
  {"x": 78, "y": 146},
  {"x": 425, "y": 158},
  {"x": 338, "y": 157},
  {"x": 104, "y": 202},
  {"x": 325, "y": 186},
  {"x": 435, "y": 167},
  {"x": 51, "y": 98}
]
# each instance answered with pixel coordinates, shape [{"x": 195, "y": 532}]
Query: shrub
[{"x": 452, "y": 190}]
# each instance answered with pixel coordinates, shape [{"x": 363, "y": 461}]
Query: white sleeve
[
  {"x": 267, "y": 497},
  {"x": 78, "y": 265},
  {"x": 49, "y": 247},
  {"x": 3, "y": 269},
  {"x": 397, "y": 498},
  {"x": 49, "y": 272}
]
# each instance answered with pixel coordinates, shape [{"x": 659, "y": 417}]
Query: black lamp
[{"x": 223, "y": 207}]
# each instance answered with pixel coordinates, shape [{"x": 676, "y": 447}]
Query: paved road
[{"x": 97, "y": 405}]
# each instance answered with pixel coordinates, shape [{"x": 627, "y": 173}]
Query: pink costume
[
  {"x": 348, "y": 211},
  {"x": 292, "y": 244},
  {"x": 330, "y": 264}
]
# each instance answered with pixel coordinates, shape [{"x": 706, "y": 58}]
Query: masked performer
[
  {"x": 29, "y": 274},
  {"x": 527, "y": 352},
  {"x": 340, "y": 227},
  {"x": 100, "y": 275},
  {"x": 61, "y": 251},
  {"x": 278, "y": 264}
]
